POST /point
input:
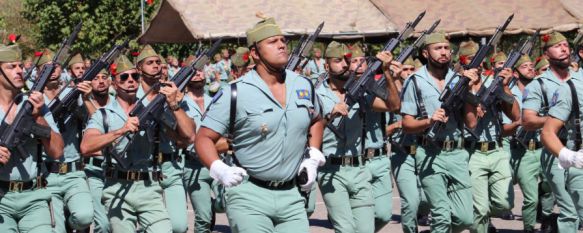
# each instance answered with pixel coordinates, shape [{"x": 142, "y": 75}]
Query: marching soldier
[
  {"x": 223, "y": 66},
  {"x": 345, "y": 181},
  {"x": 375, "y": 153},
  {"x": 24, "y": 202},
  {"x": 525, "y": 157},
  {"x": 149, "y": 67},
  {"x": 197, "y": 180},
  {"x": 538, "y": 97},
  {"x": 93, "y": 165},
  {"x": 541, "y": 65},
  {"x": 443, "y": 163},
  {"x": 268, "y": 113},
  {"x": 66, "y": 178},
  {"x": 315, "y": 66},
  {"x": 75, "y": 68},
  {"x": 133, "y": 193},
  {"x": 241, "y": 63},
  {"x": 414, "y": 206}
]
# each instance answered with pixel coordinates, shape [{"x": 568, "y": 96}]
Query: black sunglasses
[{"x": 125, "y": 76}]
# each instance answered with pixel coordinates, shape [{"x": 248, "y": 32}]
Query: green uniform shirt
[
  {"x": 73, "y": 129},
  {"x": 316, "y": 70},
  {"x": 430, "y": 94},
  {"x": 139, "y": 153},
  {"x": 562, "y": 105},
  {"x": 16, "y": 169},
  {"x": 193, "y": 111},
  {"x": 269, "y": 139},
  {"x": 532, "y": 98},
  {"x": 351, "y": 128}
]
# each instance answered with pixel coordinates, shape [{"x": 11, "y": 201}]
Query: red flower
[
  {"x": 348, "y": 55},
  {"x": 135, "y": 54},
  {"x": 538, "y": 59},
  {"x": 149, "y": 2},
  {"x": 246, "y": 57},
  {"x": 463, "y": 59},
  {"x": 546, "y": 38},
  {"x": 493, "y": 59},
  {"x": 12, "y": 38},
  {"x": 38, "y": 54},
  {"x": 113, "y": 69}
]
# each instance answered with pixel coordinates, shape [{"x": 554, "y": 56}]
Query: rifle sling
[
  {"x": 420, "y": 102},
  {"x": 576, "y": 113}
]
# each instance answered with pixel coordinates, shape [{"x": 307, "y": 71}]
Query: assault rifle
[
  {"x": 494, "y": 93},
  {"x": 356, "y": 88},
  {"x": 23, "y": 127},
  {"x": 303, "y": 50},
  {"x": 63, "y": 108},
  {"x": 453, "y": 98},
  {"x": 151, "y": 115}
]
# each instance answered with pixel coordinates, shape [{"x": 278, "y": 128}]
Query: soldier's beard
[
  {"x": 561, "y": 64},
  {"x": 341, "y": 76},
  {"x": 434, "y": 63}
]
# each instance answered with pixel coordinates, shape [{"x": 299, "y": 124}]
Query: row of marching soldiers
[{"x": 260, "y": 146}]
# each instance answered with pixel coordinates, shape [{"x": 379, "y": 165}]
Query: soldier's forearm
[
  {"x": 316, "y": 134},
  {"x": 54, "y": 144},
  {"x": 93, "y": 143},
  {"x": 415, "y": 126},
  {"x": 184, "y": 124}
]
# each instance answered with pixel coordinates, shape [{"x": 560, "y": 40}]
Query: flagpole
[{"x": 142, "y": 14}]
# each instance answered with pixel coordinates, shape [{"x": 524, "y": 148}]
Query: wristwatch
[{"x": 175, "y": 107}]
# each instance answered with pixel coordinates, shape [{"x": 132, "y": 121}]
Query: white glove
[
  {"x": 311, "y": 167},
  {"x": 569, "y": 158},
  {"x": 225, "y": 174},
  {"x": 317, "y": 155}
]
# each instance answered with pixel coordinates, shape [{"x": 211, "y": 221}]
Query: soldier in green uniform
[
  {"x": 134, "y": 194},
  {"x": 345, "y": 181},
  {"x": 541, "y": 65},
  {"x": 315, "y": 66},
  {"x": 66, "y": 179},
  {"x": 525, "y": 153},
  {"x": 414, "y": 206},
  {"x": 197, "y": 180},
  {"x": 274, "y": 112},
  {"x": 76, "y": 67},
  {"x": 538, "y": 97},
  {"x": 24, "y": 201},
  {"x": 375, "y": 150},
  {"x": 223, "y": 66},
  {"x": 443, "y": 163},
  {"x": 93, "y": 165},
  {"x": 241, "y": 63},
  {"x": 149, "y": 66}
]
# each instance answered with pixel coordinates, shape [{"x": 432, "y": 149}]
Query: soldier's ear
[
  {"x": 326, "y": 67},
  {"x": 425, "y": 53},
  {"x": 253, "y": 53}
]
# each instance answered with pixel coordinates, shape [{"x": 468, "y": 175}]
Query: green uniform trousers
[
  {"x": 413, "y": 200},
  {"x": 25, "y": 212},
  {"x": 131, "y": 202},
  {"x": 175, "y": 195},
  {"x": 70, "y": 191},
  {"x": 198, "y": 184},
  {"x": 254, "y": 209},
  {"x": 445, "y": 179},
  {"x": 527, "y": 172},
  {"x": 96, "y": 181},
  {"x": 491, "y": 186},
  {"x": 382, "y": 189},
  {"x": 348, "y": 196},
  {"x": 568, "y": 221}
]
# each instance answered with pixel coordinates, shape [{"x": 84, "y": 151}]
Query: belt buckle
[
  {"x": 346, "y": 160},
  {"x": 133, "y": 175},
  {"x": 63, "y": 168},
  {"x": 274, "y": 184},
  {"x": 484, "y": 146},
  {"x": 370, "y": 153},
  {"x": 15, "y": 186},
  {"x": 531, "y": 145},
  {"x": 448, "y": 145},
  {"x": 413, "y": 149}
]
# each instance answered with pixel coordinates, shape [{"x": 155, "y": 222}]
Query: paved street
[{"x": 319, "y": 224}]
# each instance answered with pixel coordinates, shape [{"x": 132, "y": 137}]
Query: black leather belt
[
  {"x": 97, "y": 162},
  {"x": 273, "y": 185},
  {"x": 19, "y": 186},
  {"x": 447, "y": 145},
  {"x": 132, "y": 175},
  {"x": 345, "y": 160},
  {"x": 482, "y": 146},
  {"x": 168, "y": 157},
  {"x": 410, "y": 149},
  {"x": 372, "y": 152},
  {"x": 532, "y": 144},
  {"x": 63, "y": 168}
]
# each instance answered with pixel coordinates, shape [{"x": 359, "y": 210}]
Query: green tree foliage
[{"x": 104, "y": 22}]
